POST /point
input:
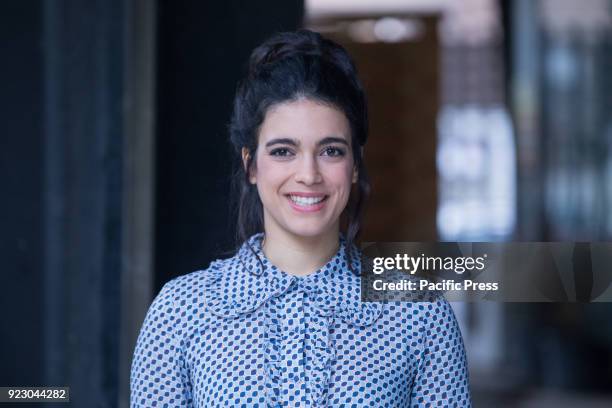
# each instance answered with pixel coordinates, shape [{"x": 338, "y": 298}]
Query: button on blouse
[{"x": 243, "y": 333}]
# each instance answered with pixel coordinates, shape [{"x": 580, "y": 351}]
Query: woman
[{"x": 281, "y": 323}]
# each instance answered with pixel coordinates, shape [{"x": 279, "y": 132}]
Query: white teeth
[{"x": 306, "y": 200}]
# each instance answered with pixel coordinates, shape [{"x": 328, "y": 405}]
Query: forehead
[{"x": 305, "y": 120}]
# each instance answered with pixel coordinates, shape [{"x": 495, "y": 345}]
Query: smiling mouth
[{"x": 307, "y": 201}]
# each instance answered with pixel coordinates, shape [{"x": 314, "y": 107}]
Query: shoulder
[
  {"x": 438, "y": 326},
  {"x": 180, "y": 305},
  {"x": 191, "y": 287},
  {"x": 427, "y": 317},
  {"x": 436, "y": 315},
  {"x": 421, "y": 309}
]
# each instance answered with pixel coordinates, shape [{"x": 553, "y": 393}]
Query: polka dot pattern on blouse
[{"x": 243, "y": 333}]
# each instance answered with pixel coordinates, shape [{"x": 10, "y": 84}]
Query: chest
[{"x": 290, "y": 352}]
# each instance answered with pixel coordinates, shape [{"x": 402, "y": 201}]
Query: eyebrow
[{"x": 325, "y": 141}]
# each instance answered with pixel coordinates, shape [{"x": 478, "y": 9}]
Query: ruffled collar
[{"x": 246, "y": 281}]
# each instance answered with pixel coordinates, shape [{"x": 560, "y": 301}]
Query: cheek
[
  {"x": 269, "y": 175},
  {"x": 341, "y": 177}
]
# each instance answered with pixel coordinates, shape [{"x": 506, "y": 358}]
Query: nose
[{"x": 307, "y": 171}]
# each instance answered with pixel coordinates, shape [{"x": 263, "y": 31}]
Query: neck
[{"x": 298, "y": 255}]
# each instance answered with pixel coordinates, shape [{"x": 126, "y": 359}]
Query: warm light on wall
[{"x": 330, "y": 7}]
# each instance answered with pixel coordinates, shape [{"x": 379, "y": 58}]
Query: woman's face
[{"x": 304, "y": 167}]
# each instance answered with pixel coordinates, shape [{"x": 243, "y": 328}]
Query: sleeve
[
  {"x": 159, "y": 375},
  {"x": 442, "y": 379}
]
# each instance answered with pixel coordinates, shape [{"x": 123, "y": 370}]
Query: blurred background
[{"x": 491, "y": 120}]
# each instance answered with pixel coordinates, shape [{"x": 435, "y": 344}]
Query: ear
[
  {"x": 355, "y": 171},
  {"x": 245, "y": 159}
]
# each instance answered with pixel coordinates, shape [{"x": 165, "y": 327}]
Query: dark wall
[
  {"x": 203, "y": 47},
  {"x": 21, "y": 169}
]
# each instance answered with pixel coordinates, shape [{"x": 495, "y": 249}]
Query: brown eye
[
  {"x": 280, "y": 152},
  {"x": 333, "y": 151}
]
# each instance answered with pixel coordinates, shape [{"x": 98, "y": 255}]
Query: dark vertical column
[
  {"x": 203, "y": 48},
  {"x": 84, "y": 136},
  {"x": 21, "y": 169},
  {"x": 138, "y": 181}
]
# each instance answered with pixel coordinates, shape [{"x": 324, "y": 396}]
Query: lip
[{"x": 309, "y": 208}]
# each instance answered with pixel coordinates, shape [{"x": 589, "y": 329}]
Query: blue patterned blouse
[{"x": 246, "y": 334}]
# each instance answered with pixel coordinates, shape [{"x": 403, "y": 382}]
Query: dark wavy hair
[{"x": 284, "y": 68}]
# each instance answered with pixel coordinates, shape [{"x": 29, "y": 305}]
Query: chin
[{"x": 308, "y": 231}]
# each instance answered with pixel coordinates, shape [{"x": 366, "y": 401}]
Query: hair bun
[{"x": 288, "y": 44}]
